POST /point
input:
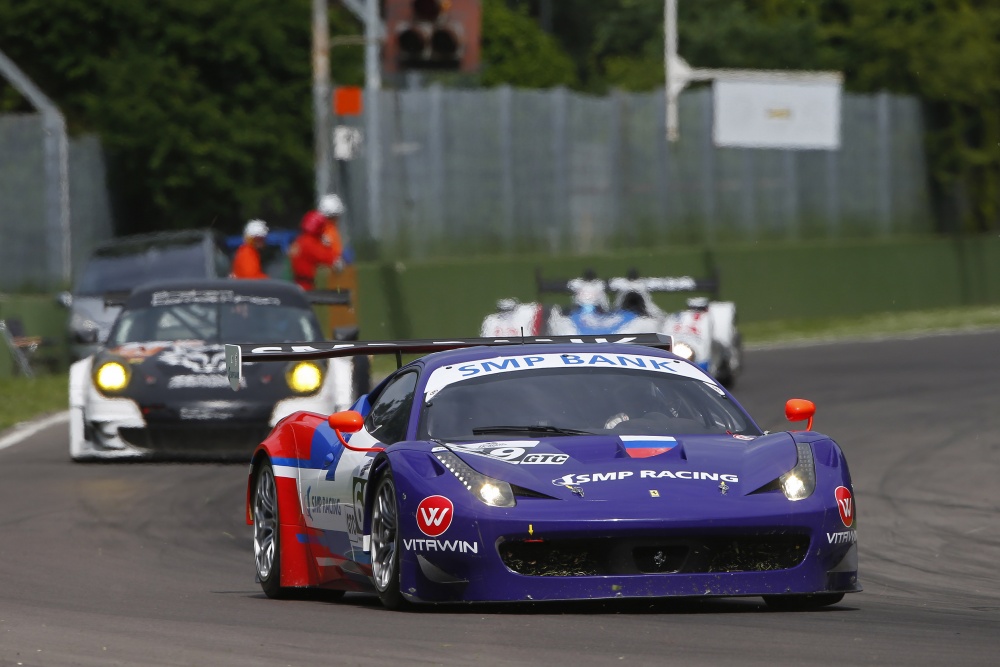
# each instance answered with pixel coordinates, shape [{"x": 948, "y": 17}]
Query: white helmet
[
  {"x": 330, "y": 206},
  {"x": 255, "y": 229}
]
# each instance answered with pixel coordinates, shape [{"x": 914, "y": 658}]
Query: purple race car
[{"x": 562, "y": 468}]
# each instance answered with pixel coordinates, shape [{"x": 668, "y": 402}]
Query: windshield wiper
[{"x": 537, "y": 428}]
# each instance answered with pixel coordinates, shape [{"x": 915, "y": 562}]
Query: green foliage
[
  {"x": 946, "y": 52},
  {"x": 516, "y": 52},
  {"x": 203, "y": 105}
]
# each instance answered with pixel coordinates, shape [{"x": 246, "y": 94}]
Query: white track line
[{"x": 25, "y": 430}]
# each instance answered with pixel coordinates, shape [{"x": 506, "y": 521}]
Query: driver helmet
[
  {"x": 589, "y": 295},
  {"x": 313, "y": 223},
  {"x": 255, "y": 229},
  {"x": 330, "y": 206}
]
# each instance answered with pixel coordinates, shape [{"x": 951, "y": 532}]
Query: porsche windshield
[
  {"x": 214, "y": 322},
  {"x": 553, "y": 402},
  {"x": 121, "y": 268}
]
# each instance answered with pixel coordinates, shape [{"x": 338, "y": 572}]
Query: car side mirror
[
  {"x": 86, "y": 336},
  {"x": 348, "y": 421},
  {"x": 797, "y": 409}
]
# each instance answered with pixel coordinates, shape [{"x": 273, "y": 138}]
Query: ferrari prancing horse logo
[
  {"x": 434, "y": 515},
  {"x": 845, "y": 503}
]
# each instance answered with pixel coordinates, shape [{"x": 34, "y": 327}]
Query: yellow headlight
[
  {"x": 111, "y": 376},
  {"x": 305, "y": 377},
  {"x": 684, "y": 351}
]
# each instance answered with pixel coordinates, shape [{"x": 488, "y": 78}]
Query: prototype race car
[
  {"x": 543, "y": 469},
  {"x": 156, "y": 389},
  {"x": 704, "y": 332}
]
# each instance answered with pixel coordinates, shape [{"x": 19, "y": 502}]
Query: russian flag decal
[{"x": 644, "y": 446}]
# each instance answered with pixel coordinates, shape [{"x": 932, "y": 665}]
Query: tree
[
  {"x": 204, "y": 106},
  {"x": 518, "y": 53}
]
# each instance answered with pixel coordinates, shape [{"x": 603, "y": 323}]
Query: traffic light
[{"x": 432, "y": 34}]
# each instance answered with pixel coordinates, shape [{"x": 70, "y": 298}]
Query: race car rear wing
[
  {"x": 668, "y": 284},
  {"x": 237, "y": 354},
  {"x": 633, "y": 281},
  {"x": 329, "y": 297},
  {"x": 326, "y": 297},
  {"x": 555, "y": 285}
]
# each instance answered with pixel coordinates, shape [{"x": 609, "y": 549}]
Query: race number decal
[
  {"x": 434, "y": 515},
  {"x": 514, "y": 451},
  {"x": 845, "y": 503}
]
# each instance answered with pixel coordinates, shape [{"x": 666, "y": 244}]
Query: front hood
[{"x": 606, "y": 467}]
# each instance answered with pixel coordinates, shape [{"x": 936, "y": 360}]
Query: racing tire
[
  {"x": 732, "y": 364},
  {"x": 386, "y": 543},
  {"x": 802, "y": 602},
  {"x": 267, "y": 532}
]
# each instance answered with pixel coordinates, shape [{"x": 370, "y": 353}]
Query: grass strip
[{"x": 24, "y": 398}]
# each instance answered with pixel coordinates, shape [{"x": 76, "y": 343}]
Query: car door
[{"x": 334, "y": 499}]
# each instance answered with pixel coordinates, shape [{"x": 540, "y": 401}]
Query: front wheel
[
  {"x": 267, "y": 532},
  {"x": 802, "y": 602},
  {"x": 386, "y": 543}
]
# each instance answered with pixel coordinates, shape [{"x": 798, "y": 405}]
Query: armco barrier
[{"x": 767, "y": 281}]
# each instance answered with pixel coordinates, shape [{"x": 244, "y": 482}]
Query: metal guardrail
[{"x": 16, "y": 349}]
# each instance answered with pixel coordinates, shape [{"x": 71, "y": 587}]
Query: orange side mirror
[
  {"x": 348, "y": 421},
  {"x": 797, "y": 409}
]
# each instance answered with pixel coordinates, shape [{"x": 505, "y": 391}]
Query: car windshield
[
  {"x": 553, "y": 402},
  {"x": 215, "y": 323},
  {"x": 121, "y": 269}
]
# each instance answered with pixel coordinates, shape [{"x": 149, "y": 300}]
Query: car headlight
[
  {"x": 799, "y": 482},
  {"x": 305, "y": 377},
  {"x": 684, "y": 351},
  {"x": 492, "y": 492},
  {"x": 112, "y": 376}
]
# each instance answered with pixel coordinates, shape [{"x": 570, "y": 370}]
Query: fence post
[
  {"x": 662, "y": 183},
  {"x": 505, "y": 101},
  {"x": 560, "y": 150},
  {"x": 883, "y": 146},
  {"x": 708, "y": 168},
  {"x": 435, "y": 166},
  {"x": 749, "y": 198},
  {"x": 57, "y": 214},
  {"x": 617, "y": 166},
  {"x": 833, "y": 192},
  {"x": 791, "y": 194}
]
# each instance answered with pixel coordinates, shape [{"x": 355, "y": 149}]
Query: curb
[{"x": 24, "y": 430}]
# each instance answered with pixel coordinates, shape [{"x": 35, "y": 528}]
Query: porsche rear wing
[
  {"x": 237, "y": 354},
  {"x": 326, "y": 297}
]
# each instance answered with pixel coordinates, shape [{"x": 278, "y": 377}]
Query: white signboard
[
  {"x": 346, "y": 142},
  {"x": 771, "y": 112}
]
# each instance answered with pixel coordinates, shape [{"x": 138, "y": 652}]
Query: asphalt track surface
[{"x": 142, "y": 564}]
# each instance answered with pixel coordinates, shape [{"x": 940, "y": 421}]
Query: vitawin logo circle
[
  {"x": 845, "y": 503},
  {"x": 434, "y": 515}
]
